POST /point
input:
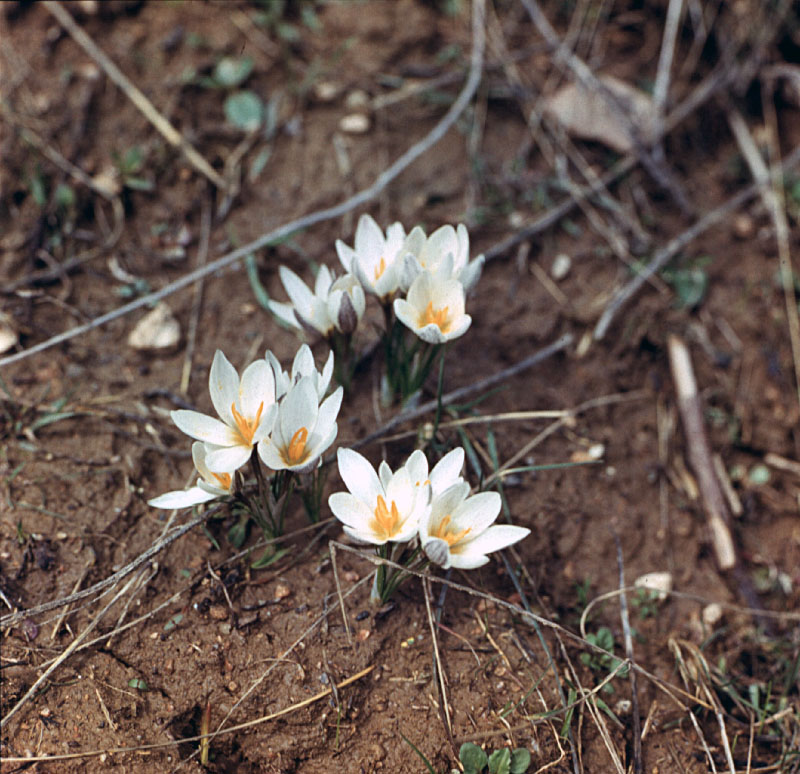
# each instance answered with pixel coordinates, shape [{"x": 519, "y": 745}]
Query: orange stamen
[
  {"x": 297, "y": 446},
  {"x": 443, "y": 532},
  {"x": 380, "y": 269},
  {"x": 246, "y": 427},
  {"x": 435, "y": 316},
  {"x": 224, "y": 479},
  {"x": 386, "y": 524}
]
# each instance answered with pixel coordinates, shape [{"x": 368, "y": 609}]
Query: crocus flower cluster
[
  {"x": 420, "y": 281},
  {"x": 283, "y": 419},
  {"x": 432, "y": 513}
]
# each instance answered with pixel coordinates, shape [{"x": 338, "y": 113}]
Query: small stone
[
  {"x": 758, "y": 475},
  {"x": 656, "y": 581},
  {"x": 355, "y": 123},
  {"x": 562, "y": 263},
  {"x": 596, "y": 451},
  {"x": 351, "y": 576},
  {"x": 232, "y": 686},
  {"x": 743, "y": 227},
  {"x": 281, "y": 591},
  {"x": 326, "y": 91},
  {"x": 363, "y": 634},
  {"x": 623, "y": 707},
  {"x": 8, "y": 336},
  {"x": 218, "y": 612},
  {"x": 224, "y": 628},
  {"x": 712, "y": 614},
  {"x": 157, "y": 330},
  {"x": 357, "y": 100}
]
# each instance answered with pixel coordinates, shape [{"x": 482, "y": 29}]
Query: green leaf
[
  {"x": 472, "y": 758},
  {"x": 64, "y": 195},
  {"x": 270, "y": 556},
  {"x": 520, "y": 760},
  {"x": 137, "y": 683},
  {"x": 231, "y": 72},
  {"x": 244, "y": 110},
  {"x": 500, "y": 761}
]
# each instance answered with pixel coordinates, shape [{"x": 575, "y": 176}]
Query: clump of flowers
[
  {"x": 267, "y": 418},
  {"x": 415, "y": 518},
  {"x": 421, "y": 283}
]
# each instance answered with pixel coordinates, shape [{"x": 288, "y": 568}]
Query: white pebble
[
  {"x": 657, "y": 581},
  {"x": 157, "y": 330},
  {"x": 712, "y": 614},
  {"x": 562, "y": 263},
  {"x": 355, "y": 123}
]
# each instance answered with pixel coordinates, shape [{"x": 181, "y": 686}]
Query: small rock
[
  {"x": 281, "y": 591},
  {"x": 157, "y": 330},
  {"x": 743, "y": 227},
  {"x": 596, "y": 451},
  {"x": 362, "y": 635},
  {"x": 623, "y": 707},
  {"x": 656, "y": 581},
  {"x": 8, "y": 336},
  {"x": 326, "y": 91},
  {"x": 224, "y": 628},
  {"x": 357, "y": 100},
  {"x": 562, "y": 263},
  {"x": 218, "y": 612},
  {"x": 355, "y": 123},
  {"x": 351, "y": 576},
  {"x": 712, "y": 614}
]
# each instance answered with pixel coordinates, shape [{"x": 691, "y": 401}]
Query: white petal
[
  {"x": 284, "y": 312},
  {"x": 384, "y": 473},
  {"x": 268, "y": 417},
  {"x": 223, "y": 384},
  {"x": 351, "y": 511},
  {"x": 359, "y": 477},
  {"x": 323, "y": 282},
  {"x": 369, "y": 237},
  {"x": 459, "y": 327},
  {"x": 450, "y": 293},
  {"x": 325, "y": 377},
  {"x": 415, "y": 241},
  {"x": 432, "y": 334},
  {"x": 303, "y": 363},
  {"x": 270, "y": 456},
  {"x": 346, "y": 255},
  {"x": 182, "y": 498},
  {"x": 417, "y": 466},
  {"x": 447, "y": 471},
  {"x": 493, "y": 539},
  {"x": 296, "y": 289},
  {"x": 438, "y": 551},
  {"x": 471, "y": 273},
  {"x": 478, "y": 512},
  {"x": 299, "y": 408},
  {"x": 406, "y": 313},
  {"x": 467, "y": 561},
  {"x": 401, "y": 491},
  {"x": 328, "y": 412},
  {"x": 421, "y": 291},
  {"x": 228, "y": 459},
  {"x": 204, "y": 427},
  {"x": 395, "y": 237},
  {"x": 257, "y": 389}
]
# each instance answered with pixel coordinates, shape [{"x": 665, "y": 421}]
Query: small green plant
[
  {"x": 129, "y": 166},
  {"x": 602, "y": 662},
  {"x": 504, "y": 761},
  {"x": 646, "y": 602}
]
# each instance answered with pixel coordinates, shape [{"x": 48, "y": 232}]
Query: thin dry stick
[
  {"x": 699, "y": 452},
  {"x": 194, "y": 319},
  {"x": 306, "y": 221},
  {"x": 626, "y": 633},
  {"x": 661, "y": 87},
  {"x": 169, "y": 132},
  {"x": 437, "y": 658},
  {"x": 160, "y": 745},
  {"x": 675, "y": 245}
]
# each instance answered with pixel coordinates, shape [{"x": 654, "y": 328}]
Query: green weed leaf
[
  {"x": 472, "y": 758},
  {"x": 244, "y": 110}
]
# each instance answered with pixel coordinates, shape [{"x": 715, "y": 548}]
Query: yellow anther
[
  {"x": 224, "y": 479},
  {"x": 386, "y": 523},
  {"x": 435, "y": 316},
  {"x": 380, "y": 269},
  {"x": 297, "y": 446},
  {"x": 443, "y": 533},
  {"x": 246, "y": 427}
]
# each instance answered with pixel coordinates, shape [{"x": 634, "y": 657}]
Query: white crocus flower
[
  {"x": 303, "y": 428},
  {"x": 346, "y": 303},
  {"x": 246, "y": 409},
  {"x": 421, "y": 253},
  {"x": 458, "y": 531},
  {"x": 375, "y": 258},
  {"x": 308, "y": 309},
  {"x": 377, "y": 509},
  {"x": 445, "y": 473},
  {"x": 303, "y": 365},
  {"x": 209, "y": 486},
  {"x": 434, "y": 308}
]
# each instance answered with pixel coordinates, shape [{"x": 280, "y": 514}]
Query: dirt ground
[{"x": 96, "y": 208}]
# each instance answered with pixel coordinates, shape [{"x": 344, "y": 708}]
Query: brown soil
[{"x": 207, "y": 631}]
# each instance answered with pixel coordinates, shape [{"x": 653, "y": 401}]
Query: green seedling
[
  {"x": 602, "y": 662},
  {"x": 129, "y": 167},
  {"x": 690, "y": 282},
  {"x": 646, "y": 602},
  {"x": 504, "y": 761}
]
